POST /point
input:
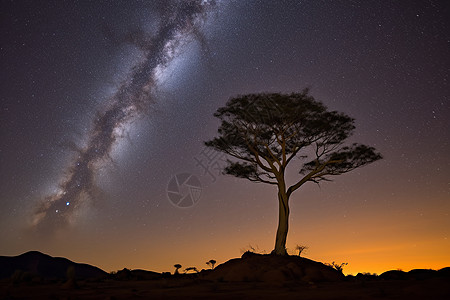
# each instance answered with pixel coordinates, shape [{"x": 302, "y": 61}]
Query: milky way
[
  {"x": 181, "y": 22},
  {"x": 81, "y": 76}
]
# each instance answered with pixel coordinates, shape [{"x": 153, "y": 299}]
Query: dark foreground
[
  {"x": 177, "y": 288},
  {"x": 34, "y": 275}
]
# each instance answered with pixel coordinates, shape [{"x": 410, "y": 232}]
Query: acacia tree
[
  {"x": 211, "y": 263},
  {"x": 177, "y": 266},
  {"x": 266, "y": 132}
]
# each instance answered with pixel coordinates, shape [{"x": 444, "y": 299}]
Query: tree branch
[{"x": 311, "y": 175}]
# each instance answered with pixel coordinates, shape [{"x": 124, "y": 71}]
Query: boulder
[{"x": 273, "y": 268}]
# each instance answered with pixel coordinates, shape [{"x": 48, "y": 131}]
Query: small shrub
[
  {"x": 338, "y": 267},
  {"x": 165, "y": 274},
  {"x": 252, "y": 249},
  {"x": 194, "y": 269},
  {"x": 300, "y": 249},
  {"x": 369, "y": 274}
]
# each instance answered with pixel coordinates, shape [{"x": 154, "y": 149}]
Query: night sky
[{"x": 105, "y": 106}]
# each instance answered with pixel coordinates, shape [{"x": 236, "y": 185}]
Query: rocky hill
[{"x": 34, "y": 263}]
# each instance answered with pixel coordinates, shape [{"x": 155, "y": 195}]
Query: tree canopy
[{"x": 266, "y": 131}]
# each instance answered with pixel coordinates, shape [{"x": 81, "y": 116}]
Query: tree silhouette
[
  {"x": 338, "y": 267},
  {"x": 267, "y": 132},
  {"x": 211, "y": 263},
  {"x": 300, "y": 249},
  {"x": 177, "y": 266},
  {"x": 194, "y": 269}
]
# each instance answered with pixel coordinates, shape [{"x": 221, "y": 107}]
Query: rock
[
  {"x": 444, "y": 272},
  {"x": 296, "y": 270},
  {"x": 275, "y": 276},
  {"x": 393, "y": 275},
  {"x": 70, "y": 284},
  {"x": 46, "y": 267},
  {"x": 421, "y": 274},
  {"x": 273, "y": 268}
]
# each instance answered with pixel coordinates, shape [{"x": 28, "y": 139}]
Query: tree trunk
[{"x": 283, "y": 223}]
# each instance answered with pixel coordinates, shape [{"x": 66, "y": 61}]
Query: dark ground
[
  {"x": 177, "y": 288},
  {"x": 34, "y": 275}
]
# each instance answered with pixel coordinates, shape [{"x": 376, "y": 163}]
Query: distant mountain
[{"x": 38, "y": 264}]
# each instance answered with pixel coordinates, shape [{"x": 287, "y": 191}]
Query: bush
[
  {"x": 211, "y": 263},
  {"x": 338, "y": 267}
]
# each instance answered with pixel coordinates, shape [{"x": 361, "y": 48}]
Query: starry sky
[{"x": 105, "y": 106}]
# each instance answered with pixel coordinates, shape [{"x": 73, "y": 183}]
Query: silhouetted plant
[
  {"x": 177, "y": 266},
  {"x": 300, "y": 249},
  {"x": 191, "y": 269},
  {"x": 251, "y": 249},
  {"x": 266, "y": 131},
  {"x": 339, "y": 267},
  {"x": 211, "y": 263}
]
